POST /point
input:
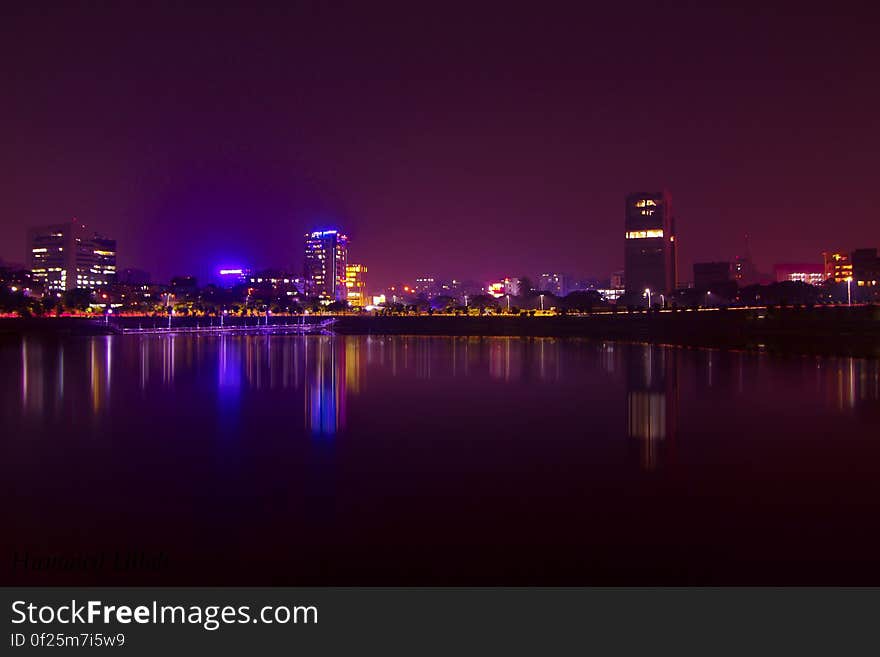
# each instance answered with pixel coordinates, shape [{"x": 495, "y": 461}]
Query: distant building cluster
[
  {"x": 651, "y": 270},
  {"x": 71, "y": 267}
]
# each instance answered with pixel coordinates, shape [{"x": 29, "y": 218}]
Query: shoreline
[
  {"x": 837, "y": 331},
  {"x": 826, "y": 332}
]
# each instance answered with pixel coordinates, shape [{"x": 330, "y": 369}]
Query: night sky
[{"x": 462, "y": 140}]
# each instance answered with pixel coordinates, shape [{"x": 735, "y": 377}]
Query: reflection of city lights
[
  {"x": 325, "y": 392},
  {"x": 646, "y": 415},
  {"x": 168, "y": 359},
  {"x": 100, "y": 369},
  {"x": 24, "y": 372},
  {"x": 144, "y": 362},
  {"x": 652, "y": 397},
  {"x": 229, "y": 364},
  {"x": 60, "y": 373}
]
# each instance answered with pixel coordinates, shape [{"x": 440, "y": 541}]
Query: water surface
[{"x": 426, "y": 460}]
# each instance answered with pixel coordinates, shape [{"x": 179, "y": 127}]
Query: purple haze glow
[{"x": 474, "y": 141}]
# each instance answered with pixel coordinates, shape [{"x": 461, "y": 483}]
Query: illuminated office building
[
  {"x": 495, "y": 289},
  {"x": 507, "y": 286},
  {"x": 800, "y": 273},
  {"x": 649, "y": 244},
  {"x": 65, "y": 256},
  {"x": 838, "y": 267},
  {"x": 275, "y": 282},
  {"x": 356, "y": 285},
  {"x": 325, "y": 259}
]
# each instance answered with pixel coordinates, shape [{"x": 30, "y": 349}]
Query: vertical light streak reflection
[
  {"x": 168, "y": 359},
  {"x": 325, "y": 398},
  {"x": 108, "y": 355},
  {"x": 229, "y": 367},
  {"x": 60, "y": 374},
  {"x": 144, "y": 362},
  {"x": 652, "y": 401},
  {"x": 24, "y": 373},
  {"x": 99, "y": 373}
]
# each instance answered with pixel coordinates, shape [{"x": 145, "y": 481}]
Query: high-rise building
[
  {"x": 356, "y": 285},
  {"x": 65, "y": 256},
  {"x": 325, "y": 260},
  {"x": 649, "y": 244}
]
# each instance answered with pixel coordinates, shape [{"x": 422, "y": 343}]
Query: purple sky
[{"x": 463, "y": 140}]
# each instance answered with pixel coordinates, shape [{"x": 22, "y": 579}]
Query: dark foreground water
[{"x": 378, "y": 460}]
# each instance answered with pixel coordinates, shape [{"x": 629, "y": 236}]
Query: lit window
[{"x": 643, "y": 234}]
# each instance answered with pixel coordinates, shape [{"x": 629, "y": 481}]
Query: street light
[
  {"x": 107, "y": 316},
  {"x": 542, "y": 302},
  {"x": 222, "y": 315},
  {"x": 508, "y": 303},
  {"x": 849, "y": 290},
  {"x": 648, "y": 294}
]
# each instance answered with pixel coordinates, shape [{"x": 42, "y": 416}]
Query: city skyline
[
  {"x": 649, "y": 213},
  {"x": 308, "y": 304},
  {"x": 229, "y": 145}
]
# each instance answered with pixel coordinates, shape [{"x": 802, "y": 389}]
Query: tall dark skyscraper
[
  {"x": 325, "y": 260},
  {"x": 649, "y": 244}
]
